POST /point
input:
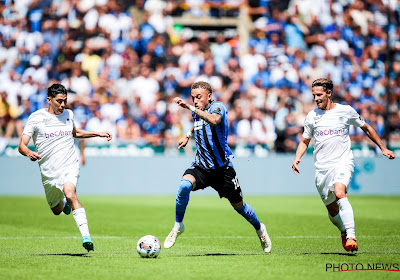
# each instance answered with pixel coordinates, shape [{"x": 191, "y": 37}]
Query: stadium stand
[{"x": 124, "y": 61}]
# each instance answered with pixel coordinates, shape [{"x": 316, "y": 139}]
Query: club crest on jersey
[{"x": 341, "y": 119}]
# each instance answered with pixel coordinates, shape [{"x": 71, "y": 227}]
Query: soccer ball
[{"x": 148, "y": 246}]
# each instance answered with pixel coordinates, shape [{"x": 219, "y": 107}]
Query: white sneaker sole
[{"x": 267, "y": 244}]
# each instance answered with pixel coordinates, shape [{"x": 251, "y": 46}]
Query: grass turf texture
[{"x": 217, "y": 244}]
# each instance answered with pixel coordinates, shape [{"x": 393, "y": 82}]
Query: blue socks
[
  {"x": 248, "y": 213},
  {"x": 182, "y": 199}
]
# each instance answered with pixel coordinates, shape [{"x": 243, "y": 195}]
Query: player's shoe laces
[
  {"x": 266, "y": 244},
  {"x": 351, "y": 245},
  {"x": 172, "y": 236},
  {"x": 87, "y": 243},
  {"x": 67, "y": 209},
  {"x": 344, "y": 239}
]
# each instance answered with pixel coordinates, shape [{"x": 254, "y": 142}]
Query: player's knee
[
  {"x": 185, "y": 187},
  {"x": 70, "y": 195},
  {"x": 340, "y": 194}
]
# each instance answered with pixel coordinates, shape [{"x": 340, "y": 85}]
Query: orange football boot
[{"x": 351, "y": 245}]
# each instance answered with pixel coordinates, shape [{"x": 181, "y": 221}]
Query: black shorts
[{"x": 222, "y": 179}]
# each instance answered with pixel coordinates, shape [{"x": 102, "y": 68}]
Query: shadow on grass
[
  {"x": 85, "y": 255},
  {"x": 331, "y": 253},
  {"x": 218, "y": 254}
]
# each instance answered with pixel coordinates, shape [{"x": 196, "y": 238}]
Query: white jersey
[
  {"x": 330, "y": 131},
  {"x": 54, "y": 141}
]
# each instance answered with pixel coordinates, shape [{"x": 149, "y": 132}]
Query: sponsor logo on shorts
[{"x": 58, "y": 133}]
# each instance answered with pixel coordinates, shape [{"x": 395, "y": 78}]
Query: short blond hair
[{"x": 203, "y": 85}]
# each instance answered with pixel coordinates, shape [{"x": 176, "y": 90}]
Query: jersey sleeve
[
  {"x": 30, "y": 126},
  {"x": 308, "y": 127},
  {"x": 218, "y": 108},
  {"x": 355, "y": 119},
  {"x": 72, "y": 117}
]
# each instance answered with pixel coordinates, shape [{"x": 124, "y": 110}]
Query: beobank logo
[
  {"x": 57, "y": 134},
  {"x": 327, "y": 132}
]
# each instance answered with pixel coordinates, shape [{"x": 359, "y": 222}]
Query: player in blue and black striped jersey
[{"x": 212, "y": 165}]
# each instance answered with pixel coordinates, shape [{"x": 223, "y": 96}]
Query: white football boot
[
  {"x": 172, "y": 236},
  {"x": 266, "y": 244}
]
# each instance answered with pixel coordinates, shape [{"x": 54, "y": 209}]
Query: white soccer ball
[{"x": 148, "y": 246}]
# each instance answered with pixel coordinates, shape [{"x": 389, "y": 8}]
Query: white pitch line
[{"x": 185, "y": 237}]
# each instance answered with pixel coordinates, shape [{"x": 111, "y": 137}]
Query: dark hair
[
  {"x": 203, "y": 85},
  {"x": 56, "y": 89},
  {"x": 322, "y": 82}
]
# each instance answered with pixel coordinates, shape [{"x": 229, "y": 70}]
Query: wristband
[
  {"x": 189, "y": 134},
  {"x": 192, "y": 108}
]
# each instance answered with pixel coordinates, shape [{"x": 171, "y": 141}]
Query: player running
[
  {"x": 329, "y": 125},
  {"x": 53, "y": 131},
  {"x": 212, "y": 165}
]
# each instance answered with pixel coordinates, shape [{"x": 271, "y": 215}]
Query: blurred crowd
[{"x": 124, "y": 61}]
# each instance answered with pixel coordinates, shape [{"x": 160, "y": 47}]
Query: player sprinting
[
  {"x": 329, "y": 125},
  {"x": 53, "y": 130},
  {"x": 212, "y": 165}
]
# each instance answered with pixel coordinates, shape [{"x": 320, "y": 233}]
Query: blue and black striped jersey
[{"x": 211, "y": 141}]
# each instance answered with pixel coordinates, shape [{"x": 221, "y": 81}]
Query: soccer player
[
  {"x": 53, "y": 131},
  {"x": 328, "y": 125},
  {"x": 212, "y": 165}
]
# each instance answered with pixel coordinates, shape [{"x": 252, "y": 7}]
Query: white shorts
[
  {"x": 53, "y": 187},
  {"x": 325, "y": 181}
]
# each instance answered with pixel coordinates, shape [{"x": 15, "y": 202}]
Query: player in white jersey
[
  {"x": 328, "y": 125},
  {"x": 53, "y": 131}
]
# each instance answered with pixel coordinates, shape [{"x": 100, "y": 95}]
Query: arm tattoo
[{"x": 212, "y": 119}]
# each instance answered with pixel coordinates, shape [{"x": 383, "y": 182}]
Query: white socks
[
  {"x": 81, "y": 221},
  {"x": 177, "y": 226},
  {"x": 347, "y": 216},
  {"x": 337, "y": 221}
]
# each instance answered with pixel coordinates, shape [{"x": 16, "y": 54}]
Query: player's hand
[
  {"x": 83, "y": 160},
  {"x": 295, "y": 168},
  {"x": 181, "y": 102},
  {"x": 33, "y": 156},
  {"x": 106, "y": 134},
  {"x": 183, "y": 142},
  {"x": 388, "y": 153}
]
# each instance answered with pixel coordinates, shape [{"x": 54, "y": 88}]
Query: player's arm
[
  {"x": 80, "y": 133},
  {"x": 185, "y": 139},
  {"x": 371, "y": 133},
  {"x": 213, "y": 119},
  {"x": 301, "y": 149},
  {"x": 82, "y": 149},
  {"x": 25, "y": 151}
]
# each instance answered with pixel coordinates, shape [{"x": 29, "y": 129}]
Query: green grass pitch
[{"x": 217, "y": 244}]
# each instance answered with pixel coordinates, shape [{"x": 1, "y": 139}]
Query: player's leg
[
  {"x": 325, "y": 184},
  {"x": 250, "y": 215},
  {"x": 54, "y": 196},
  {"x": 58, "y": 209},
  {"x": 62, "y": 206},
  {"x": 232, "y": 191},
  {"x": 186, "y": 185},
  {"x": 347, "y": 216},
  {"x": 334, "y": 217},
  {"x": 79, "y": 215}
]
